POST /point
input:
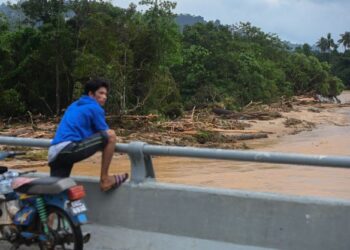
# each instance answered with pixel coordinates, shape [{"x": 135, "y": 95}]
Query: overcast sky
[{"x": 297, "y": 21}]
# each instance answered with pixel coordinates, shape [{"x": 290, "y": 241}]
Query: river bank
[{"x": 323, "y": 129}]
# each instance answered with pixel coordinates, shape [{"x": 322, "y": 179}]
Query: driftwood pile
[
  {"x": 259, "y": 115},
  {"x": 212, "y": 126},
  {"x": 195, "y": 126},
  {"x": 34, "y": 126},
  {"x": 144, "y": 123}
]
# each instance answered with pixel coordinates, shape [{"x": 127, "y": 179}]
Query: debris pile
[{"x": 197, "y": 127}]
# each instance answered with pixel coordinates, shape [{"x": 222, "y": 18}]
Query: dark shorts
[{"x": 75, "y": 152}]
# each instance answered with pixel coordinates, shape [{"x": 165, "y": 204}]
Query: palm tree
[
  {"x": 327, "y": 44},
  {"x": 330, "y": 43},
  {"x": 345, "y": 40},
  {"x": 322, "y": 44}
]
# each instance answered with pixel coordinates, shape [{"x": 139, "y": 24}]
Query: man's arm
[{"x": 99, "y": 120}]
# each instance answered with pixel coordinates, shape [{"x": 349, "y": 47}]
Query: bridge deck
[{"x": 118, "y": 238}]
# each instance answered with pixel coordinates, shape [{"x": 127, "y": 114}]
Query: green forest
[{"x": 153, "y": 65}]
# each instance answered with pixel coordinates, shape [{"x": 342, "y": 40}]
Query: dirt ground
[{"x": 308, "y": 127}]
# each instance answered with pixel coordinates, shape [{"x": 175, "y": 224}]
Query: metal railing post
[{"x": 141, "y": 164}]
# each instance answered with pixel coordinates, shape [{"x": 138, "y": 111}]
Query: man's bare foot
[
  {"x": 107, "y": 183},
  {"x": 113, "y": 182}
]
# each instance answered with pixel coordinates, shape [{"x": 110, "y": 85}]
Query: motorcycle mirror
[{"x": 3, "y": 169}]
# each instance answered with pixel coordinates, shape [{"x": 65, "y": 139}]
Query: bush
[
  {"x": 10, "y": 103},
  {"x": 336, "y": 86},
  {"x": 173, "y": 110}
]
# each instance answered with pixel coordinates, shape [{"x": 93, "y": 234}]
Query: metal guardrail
[{"x": 141, "y": 162}]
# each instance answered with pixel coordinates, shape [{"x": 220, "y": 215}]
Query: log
[
  {"x": 132, "y": 117},
  {"x": 246, "y": 115},
  {"x": 250, "y": 136},
  {"x": 220, "y": 111},
  {"x": 240, "y": 131}
]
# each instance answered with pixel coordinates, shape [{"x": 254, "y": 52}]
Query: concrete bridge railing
[
  {"x": 144, "y": 214},
  {"x": 226, "y": 219}
]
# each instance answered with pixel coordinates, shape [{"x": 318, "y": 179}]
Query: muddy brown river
[{"x": 285, "y": 179}]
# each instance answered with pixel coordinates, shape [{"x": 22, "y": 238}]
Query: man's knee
[{"x": 112, "y": 137}]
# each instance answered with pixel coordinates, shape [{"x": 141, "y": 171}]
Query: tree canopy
[{"x": 151, "y": 64}]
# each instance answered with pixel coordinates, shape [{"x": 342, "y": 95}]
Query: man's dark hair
[{"x": 94, "y": 84}]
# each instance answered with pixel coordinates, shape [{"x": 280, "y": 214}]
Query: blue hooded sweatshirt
[{"x": 82, "y": 119}]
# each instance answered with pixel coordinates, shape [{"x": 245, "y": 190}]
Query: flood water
[{"x": 285, "y": 179}]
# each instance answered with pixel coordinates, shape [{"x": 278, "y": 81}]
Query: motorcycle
[{"x": 45, "y": 211}]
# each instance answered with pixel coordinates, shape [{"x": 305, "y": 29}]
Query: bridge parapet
[{"x": 184, "y": 217}]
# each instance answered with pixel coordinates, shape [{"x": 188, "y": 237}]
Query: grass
[{"x": 37, "y": 155}]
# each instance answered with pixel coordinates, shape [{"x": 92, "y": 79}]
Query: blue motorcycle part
[
  {"x": 42, "y": 237},
  {"x": 28, "y": 235},
  {"x": 61, "y": 200},
  {"x": 24, "y": 216},
  {"x": 11, "y": 196},
  {"x": 82, "y": 218},
  {"x": 3, "y": 155}
]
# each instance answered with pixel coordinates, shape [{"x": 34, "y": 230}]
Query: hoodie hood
[{"x": 85, "y": 99}]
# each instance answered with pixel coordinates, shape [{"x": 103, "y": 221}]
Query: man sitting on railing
[{"x": 82, "y": 132}]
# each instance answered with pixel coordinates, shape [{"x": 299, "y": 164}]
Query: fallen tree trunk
[
  {"x": 259, "y": 115},
  {"x": 241, "y": 131},
  {"x": 219, "y": 111},
  {"x": 249, "y": 136}
]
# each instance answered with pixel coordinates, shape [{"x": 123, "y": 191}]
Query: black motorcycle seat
[{"x": 46, "y": 185}]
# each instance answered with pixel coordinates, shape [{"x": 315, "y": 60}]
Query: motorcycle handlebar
[
  {"x": 13, "y": 174},
  {"x": 9, "y": 154},
  {"x": 27, "y": 172},
  {"x": 15, "y": 153}
]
